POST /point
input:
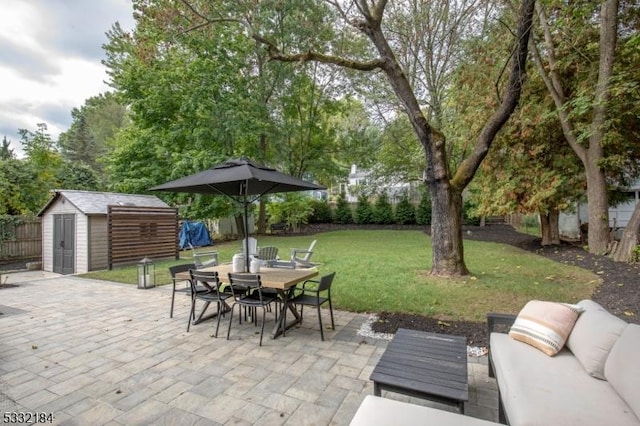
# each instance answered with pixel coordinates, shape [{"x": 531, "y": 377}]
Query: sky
[{"x": 50, "y": 60}]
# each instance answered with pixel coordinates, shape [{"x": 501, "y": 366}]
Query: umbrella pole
[{"x": 246, "y": 233}]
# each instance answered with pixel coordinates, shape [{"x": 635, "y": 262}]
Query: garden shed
[{"x": 86, "y": 231}]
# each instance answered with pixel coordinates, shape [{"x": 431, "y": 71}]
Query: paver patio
[{"x": 102, "y": 353}]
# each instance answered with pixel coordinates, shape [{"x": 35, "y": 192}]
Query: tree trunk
[
  {"x": 554, "y": 224},
  {"x": 549, "y": 229},
  {"x": 240, "y": 225},
  {"x": 446, "y": 231},
  {"x": 598, "y": 211},
  {"x": 597, "y": 186},
  {"x": 262, "y": 217},
  {"x": 630, "y": 238}
]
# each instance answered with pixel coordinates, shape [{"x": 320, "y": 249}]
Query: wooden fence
[
  {"x": 20, "y": 238},
  {"x": 139, "y": 232}
]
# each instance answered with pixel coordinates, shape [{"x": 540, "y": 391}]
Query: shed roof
[{"x": 89, "y": 202}]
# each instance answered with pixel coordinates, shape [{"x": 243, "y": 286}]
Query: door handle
[{"x": 61, "y": 244}]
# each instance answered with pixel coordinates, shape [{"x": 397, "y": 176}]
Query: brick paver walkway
[{"x": 101, "y": 353}]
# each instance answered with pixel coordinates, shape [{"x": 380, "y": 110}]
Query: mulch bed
[{"x": 619, "y": 292}]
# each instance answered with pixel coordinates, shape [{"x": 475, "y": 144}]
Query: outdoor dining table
[{"x": 283, "y": 280}]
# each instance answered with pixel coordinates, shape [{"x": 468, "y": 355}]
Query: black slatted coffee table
[{"x": 426, "y": 365}]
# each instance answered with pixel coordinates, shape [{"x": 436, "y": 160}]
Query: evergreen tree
[
  {"x": 423, "y": 214},
  {"x": 5, "y": 152},
  {"x": 77, "y": 175},
  {"x": 364, "y": 212},
  {"x": 405, "y": 211},
  {"x": 383, "y": 211},
  {"x": 321, "y": 212},
  {"x": 343, "y": 210}
]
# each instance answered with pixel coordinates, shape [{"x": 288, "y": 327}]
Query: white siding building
[
  {"x": 74, "y": 228},
  {"x": 619, "y": 215},
  {"x": 362, "y": 178}
]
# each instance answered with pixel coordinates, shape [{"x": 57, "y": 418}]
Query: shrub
[
  {"x": 294, "y": 210},
  {"x": 383, "y": 211},
  {"x": 405, "y": 211},
  {"x": 364, "y": 212},
  {"x": 423, "y": 213},
  {"x": 321, "y": 212},
  {"x": 343, "y": 212},
  {"x": 468, "y": 217}
]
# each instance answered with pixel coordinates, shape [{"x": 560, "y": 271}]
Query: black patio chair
[
  {"x": 309, "y": 295},
  {"x": 173, "y": 270},
  {"x": 211, "y": 282},
  {"x": 252, "y": 299}
]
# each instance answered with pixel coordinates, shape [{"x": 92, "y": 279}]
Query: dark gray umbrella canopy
[{"x": 238, "y": 178}]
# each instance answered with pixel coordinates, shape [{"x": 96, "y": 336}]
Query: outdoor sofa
[
  {"x": 378, "y": 411},
  {"x": 594, "y": 379}
]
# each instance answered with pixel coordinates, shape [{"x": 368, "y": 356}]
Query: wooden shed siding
[
  {"x": 138, "y": 232},
  {"x": 98, "y": 243}
]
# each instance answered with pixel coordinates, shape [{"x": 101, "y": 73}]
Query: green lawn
[{"x": 384, "y": 270}]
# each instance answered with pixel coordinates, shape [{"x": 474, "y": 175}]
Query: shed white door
[{"x": 63, "y": 243}]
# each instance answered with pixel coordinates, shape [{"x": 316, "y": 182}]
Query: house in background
[
  {"x": 619, "y": 215},
  {"x": 362, "y": 178},
  {"x": 75, "y": 228}
]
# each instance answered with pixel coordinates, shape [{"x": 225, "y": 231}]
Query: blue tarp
[{"x": 194, "y": 234}]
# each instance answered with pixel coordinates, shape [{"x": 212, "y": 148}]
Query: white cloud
[{"x": 50, "y": 59}]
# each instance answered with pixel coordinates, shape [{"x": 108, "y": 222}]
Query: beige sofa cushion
[
  {"x": 622, "y": 369},
  {"x": 593, "y": 336},
  {"x": 545, "y": 325},
  {"x": 374, "y": 411},
  {"x": 540, "y": 390}
]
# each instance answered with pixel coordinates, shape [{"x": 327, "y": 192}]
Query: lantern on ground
[{"x": 146, "y": 274}]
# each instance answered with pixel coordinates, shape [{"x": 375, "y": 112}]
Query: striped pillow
[{"x": 545, "y": 325}]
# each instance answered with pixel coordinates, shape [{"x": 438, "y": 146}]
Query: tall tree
[
  {"x": 20, "y": 191},
  {"x": 198, "y": 97},
  {"x": 362, "y": 18},
  {"x": 90, "y": 137},
  {"x": 77, "y": 143},
  {"x": 5, "y": 152},
  {"x": 530, "y": 170},
  {"x": 40, "y": 150},
  {"x": 42, "y": 160},
  {"x": 585, "y": 137}
]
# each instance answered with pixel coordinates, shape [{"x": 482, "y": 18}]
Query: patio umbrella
[{"x": 241, "y": 180}]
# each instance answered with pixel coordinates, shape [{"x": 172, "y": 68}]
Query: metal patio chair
[
  {"x": 212, "y": 294},
  {"x": 251, "y": 300},
  {"x": 173, "y": 270},
  {"x": 310, "y": 295}
]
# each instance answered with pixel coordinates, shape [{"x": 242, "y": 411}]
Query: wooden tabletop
[{"x": 280, "y": 278}]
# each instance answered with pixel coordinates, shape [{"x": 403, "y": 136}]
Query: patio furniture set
[
  {"x": 275, "y": 284},
  {"x": 591, "y": 380}
]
